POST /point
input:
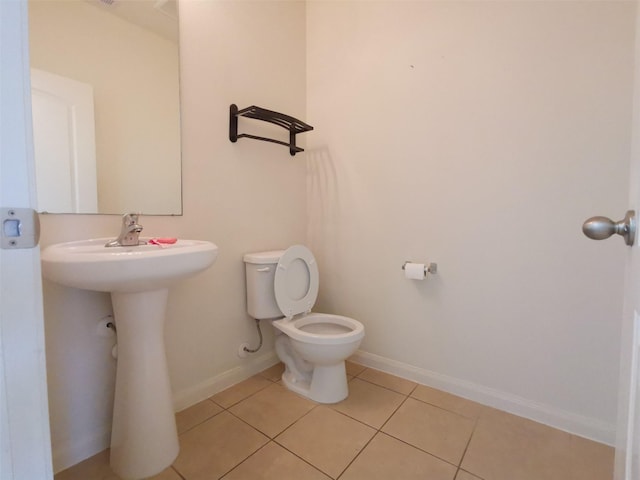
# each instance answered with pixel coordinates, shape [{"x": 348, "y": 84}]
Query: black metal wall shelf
[{"x": 293, "y": 125}]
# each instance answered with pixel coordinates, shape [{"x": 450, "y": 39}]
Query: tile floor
[{"x": 388, "y": 428}]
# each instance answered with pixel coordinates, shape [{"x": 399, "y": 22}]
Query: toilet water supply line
[{"x": 254, "y": 350}]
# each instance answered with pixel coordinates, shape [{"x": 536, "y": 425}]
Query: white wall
[
  {"x": 248, "y": 196},
  {"x": 478, "y": 135},
  {"x": 134, "y": 74}
]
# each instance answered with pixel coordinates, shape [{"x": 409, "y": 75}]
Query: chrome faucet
[{"x": 130, "y": 232}]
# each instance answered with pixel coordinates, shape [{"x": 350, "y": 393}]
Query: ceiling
[{"x": 159, "y": 16}]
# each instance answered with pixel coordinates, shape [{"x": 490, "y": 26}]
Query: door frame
[{"x": 25, "y": 442}]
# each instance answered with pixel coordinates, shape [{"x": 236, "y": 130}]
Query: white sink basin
[
  {"x": 144, "y": 439},
  {"x": 89, "y": 265}
]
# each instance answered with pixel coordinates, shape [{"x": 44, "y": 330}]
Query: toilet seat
[
  {"x": 322, "y": 329},
  {"x": 292, "y": 296}
]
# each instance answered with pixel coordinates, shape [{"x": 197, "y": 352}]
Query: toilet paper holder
[{"x": 432, "y": 268}]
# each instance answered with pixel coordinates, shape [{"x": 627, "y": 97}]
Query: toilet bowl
[
  {"x": 325, "y": 341},
  {"x": 282, "y": 286}
]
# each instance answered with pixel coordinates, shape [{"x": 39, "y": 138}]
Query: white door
[
  {"x": 64, "y": 142},
  {"x": 628, "y": 431},
  {"x": 25, "y": 446}
]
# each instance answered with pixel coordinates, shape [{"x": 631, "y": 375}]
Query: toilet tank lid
[{"x": 262, "y": 258}]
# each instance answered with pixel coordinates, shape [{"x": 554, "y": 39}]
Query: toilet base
[{"x": 328, "y": 383}]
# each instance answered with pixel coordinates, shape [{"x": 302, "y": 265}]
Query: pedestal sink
[{"x": 144, "y": 440}]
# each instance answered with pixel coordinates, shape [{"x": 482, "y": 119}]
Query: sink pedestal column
[{"x": 144, "y": 439}]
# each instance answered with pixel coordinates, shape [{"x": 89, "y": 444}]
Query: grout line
[
  {"x": 378, "y": 430},
  {"x": 203, "y": 421},
  {"x": 244, "y": 460},
  {"x": 177, "y": 472},
  {"x": 352, "y": 418},
  {"x": 475, "y": 426},
  {"x": 243, "y": 399},
  {"x": 415, "y": 384},
  {"x": 357, "y": 455},
  {"x": 252, "y": 426},
  {"x": 420, "y": 449},
  {"x": 440, "y": 407},
  {"x": 298, "y": 456},
  {"x": 415, "y": 446},
  {"x": 273, "y": 439},
  {"x": 227, "y": 409},
  {"x": 387, "y": 388},
  {"x": 466, "y": 471},
  {"x": 394, "y": 412},
  {"x": 292, "y": 424},
  {"x": 415, "y": 387},
  {"x": 279, "y": 433}
]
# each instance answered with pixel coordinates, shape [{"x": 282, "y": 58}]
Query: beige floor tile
[
  {"x": 440, "y": 432},
  {"x": 97, "y": 468},
  {"x": 353, "y": 369},
  {"x": 273, "y": 373},
  {"x": 240, "y": 391},
  {"x": 369, "y": 403},
  {"x": 507, "y": 447},
  {"x": 386, "y": 380},
  {"x": 387, "y": 458},
  {"x": 450, "y": 402},
  {"x": 326, "y": 439},
  {"x": 167, "y": 474},
  {"x": 272, "y": 462},
  {"x": 216, "y": 446},
  {"x": 462, "y": 475},
  {"x": 590, "y": 460},
  {"x": 272, "y": 409},
  {"x": 196, "y": 414}
]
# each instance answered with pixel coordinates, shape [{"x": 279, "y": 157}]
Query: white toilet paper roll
[{"x": 415, "y": 271}]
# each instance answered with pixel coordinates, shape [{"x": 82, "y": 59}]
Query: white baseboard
[
  {"x": 580, "y": 425},
  {"x": 79, "y": 449},
  {"x": 192, "y": 395},
  {"x": 69, "y": 454}
]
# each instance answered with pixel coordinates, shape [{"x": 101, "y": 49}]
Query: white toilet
[{"x": 283, "y": 285}]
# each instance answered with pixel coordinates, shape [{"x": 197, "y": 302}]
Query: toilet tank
[{"x": 260, "y": 268}]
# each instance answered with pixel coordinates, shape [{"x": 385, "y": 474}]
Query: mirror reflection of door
[
  {"x": 64, "y": 143},
  {"x": 128, "y": 52}
]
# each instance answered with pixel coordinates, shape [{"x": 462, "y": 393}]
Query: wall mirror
[{"x": 106, "y": 106}]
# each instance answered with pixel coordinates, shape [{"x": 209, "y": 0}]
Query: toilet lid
[{"x": 296, "y": 281}]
